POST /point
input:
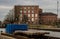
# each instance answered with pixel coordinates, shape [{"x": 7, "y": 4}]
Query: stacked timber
[
  {"x": 6, "y": 37},
  {"x": 31, "y": 33},
  {"x": 10, "y": 36}
]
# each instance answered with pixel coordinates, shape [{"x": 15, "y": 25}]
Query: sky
[{"x": 46, "y": 5}]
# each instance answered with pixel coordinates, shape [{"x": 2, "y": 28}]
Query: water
[
  {"x": 52, "y": 33},
  {"x": 3, "y": 30}
]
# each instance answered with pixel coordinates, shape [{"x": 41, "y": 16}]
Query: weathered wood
[
  {"x": 49, "y": 37},
  {"x": 6, "y": 37},
  {"x": 31, "y": 32},
  {"x": 51, "y": 29}
]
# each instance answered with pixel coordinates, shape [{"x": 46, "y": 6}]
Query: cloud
[
  {"x": 46, "y": 5},
  {"x": 5, "y": 7},
  {"x": 26, "y": 2},
  {"x": 4, "y": 11},
  {"x": 7, "y": 2}
]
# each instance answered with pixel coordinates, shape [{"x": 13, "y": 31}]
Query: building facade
[
  {"x": 40, "y": 12},
  {"x": 32, "y": 14},
  {"x": 48, "y": 18},
  {"x": 31, "y": 11}
]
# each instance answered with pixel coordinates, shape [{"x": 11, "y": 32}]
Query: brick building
[
  {"x": 40, "y": 12},
  {"x": 31, "y": 11},
  {"x": 48, "y": 18}
]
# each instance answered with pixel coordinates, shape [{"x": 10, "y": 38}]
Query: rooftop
[
  {"x": 48, "y": 13},
  {"x": 26, "y": 5}
]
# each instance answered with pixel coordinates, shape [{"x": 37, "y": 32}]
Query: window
[
  {"x": 28, "y": 7},
  {"x": 28, "y": 15},
  {"x": 28, "y": 11},
  {"x": 16, "y": 18},
  {"x": 20, "y": 15},
  {"x": 24, "y": 7},
  {"x": 29, "y": 19},
  {"x": 32, "y": 7},
  {"x": 20, "y": 11},
  {"x": 32, "y": 15},
  {"x": 36, "y": 15},
  {"x": 32, "y": 11},
  {"x": 25, "y": 14},
  {"x": 35, "y": 18},
  {"x": 32, "y": 19},
  {"x": 21, "y": 8},
  {"x": 24, "y": 11},
  {"x": 20, "y": 18}
]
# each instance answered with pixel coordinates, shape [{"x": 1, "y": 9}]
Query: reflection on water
[
  {"x": 2, "y": 29},
  {"x": 52, "y": 33}
]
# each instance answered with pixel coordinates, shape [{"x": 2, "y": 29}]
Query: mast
[
  {"x": 57, "y": 11},
  {"x": 57, "y": 8}
]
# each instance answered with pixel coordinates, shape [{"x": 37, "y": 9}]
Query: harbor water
[
  {"x": 52, "y": 33},
  {"x": 2, "y": 30}
]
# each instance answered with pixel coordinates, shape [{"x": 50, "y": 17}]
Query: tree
[
  {"x": 0, "y": 24},
  {"x": 24, "y": 19}
]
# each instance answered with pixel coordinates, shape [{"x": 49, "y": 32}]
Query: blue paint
[{"x": 13, "y": 27}]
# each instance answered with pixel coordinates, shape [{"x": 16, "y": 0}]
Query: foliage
[
  {"x": 24, "y": 19},
  {"x": 57, "y": 24}
]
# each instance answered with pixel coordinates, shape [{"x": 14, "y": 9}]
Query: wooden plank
[
  {"x": 30, "y": 32},
  {"x": 6, "y": 37}
]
